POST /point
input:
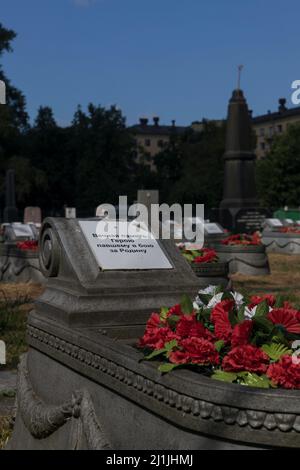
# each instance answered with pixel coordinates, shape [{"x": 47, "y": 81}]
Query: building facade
[
  {"x": 268, "y": 126},
  {"x": 152, "y": 138}
]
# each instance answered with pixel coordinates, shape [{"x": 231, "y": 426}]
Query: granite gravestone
[
  {"x": 239, "y": 209},
  {"x": 10, "y": 211},
  {"x": 32, "y": 215},
  {"x": 97, "y": 394},
  {"x": 70, "y": 212}
]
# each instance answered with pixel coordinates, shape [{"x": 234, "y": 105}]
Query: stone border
[{"x": 254, "y": 419}]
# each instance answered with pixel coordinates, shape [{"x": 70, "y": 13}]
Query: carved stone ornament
[{"x": 42, "y": 420}]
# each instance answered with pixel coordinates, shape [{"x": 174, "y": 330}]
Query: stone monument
[
  {"x": 32, "y": 215},
  {"x": 239, "y": 209},
  {"x": 10, "y": 210},
  {"x": 96, "y": 393}
]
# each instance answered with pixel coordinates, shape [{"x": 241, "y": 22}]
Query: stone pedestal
[{"x": 82, "y": 385}]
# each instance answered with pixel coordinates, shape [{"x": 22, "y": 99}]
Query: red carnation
[
  {"x": 156, "y": 333},
  {"x": 220, "y": 319},
  {"x": 207, "y": 256},
  {"x": 285, "y": 373},
  {"x": 156, "y": 338},
  {"x": 176, "y": 310},
  {"x": 241, "y": 333},
  {"x": 195, "y": 351},
  {"x": 189, "y": 326},
  {"x": 288, "y": 318},
  {"x": 246, "y": 358},
  {"x": 255, "y": 300}
]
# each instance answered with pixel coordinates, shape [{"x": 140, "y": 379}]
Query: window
[
  {"x": 262, "y": 132},
  {"x": 147, "y": 142},
  {"x": 262, "y": 146},
  {"x": 271, "y": 131},
  {"x": 160, "y": 143},
  {"x": 279, "y": 128}
]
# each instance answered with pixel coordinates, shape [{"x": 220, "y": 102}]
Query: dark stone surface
[
  {"x": 19, "y": 265},
  {"x": 82, "y": 384},
  {"x": 215, "y": 274},
  {"x": 239, "y": 175}
]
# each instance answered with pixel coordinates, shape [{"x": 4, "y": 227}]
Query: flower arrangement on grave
[
  {"x": 242, "y": 239},
  {"x": 28, "y": 245},
  {"x": 295, "y": 230},
  {"x": 229, "y": 338},
  {"x": 197, "y": 256}
]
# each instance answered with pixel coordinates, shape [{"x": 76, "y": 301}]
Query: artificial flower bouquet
[
  {"x": 242, "y": 239},
  {"x": 295, "y": 230},
  {"x": 28, "y": 245},
  {"x": 229, "y": 338},
  {"x": 197, "y": 256}
]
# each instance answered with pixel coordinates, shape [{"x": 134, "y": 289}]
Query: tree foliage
[{"x": 278, "y": 174}]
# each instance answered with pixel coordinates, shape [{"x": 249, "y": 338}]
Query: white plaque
[
  {"x": 22, "y": 230},
  {"x": 212, "y": 228},
  {"x": 289, "y": 221},
  {"x": 274, "y": 222},
  {"x": 123, "y": 245}
]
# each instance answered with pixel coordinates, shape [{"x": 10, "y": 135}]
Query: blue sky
[{"x": 172, "y": 58}]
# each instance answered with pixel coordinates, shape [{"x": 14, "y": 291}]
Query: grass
[
  {"x": 15, "y": 303},
  {"x": 284, "y": 279},
  {"x": 5, "y": 430}
]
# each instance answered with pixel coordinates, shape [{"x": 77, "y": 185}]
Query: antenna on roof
[{"x": 240, "y": 68}]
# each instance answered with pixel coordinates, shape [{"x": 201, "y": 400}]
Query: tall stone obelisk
[
  {"x": 10, "y": 211},
  {"x": 239, "y": 209}
]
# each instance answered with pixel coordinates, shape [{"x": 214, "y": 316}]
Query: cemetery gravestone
[
  {"x": 70, "y": 212},
  {"x": 83, "y": 331},
  {"x": 32, "y": 215},
  {"x": 19, "y": 260}
]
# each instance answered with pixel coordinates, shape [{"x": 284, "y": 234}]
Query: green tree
[
  {"x": 13, "y": 116},
  {"x": 191, "y": 168},
  {"x": 103, "y": 150},
  {"x": 278, "y": 174}
]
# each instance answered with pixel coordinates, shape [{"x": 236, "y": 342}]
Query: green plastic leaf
[
  {"x": 186, "y": 305},
  {"x": 219, "y": 345},
  {"x": 275, "y": 350},
  {"x": 155, "y": 353},
  {"x": 232, "y": 318},
  {"x": 279, "y": 302},
  {"x": 254, "y": 380},
  {"x": 263, "y": 323},
  {"x": 163, "y": 313},
  {"x": 172, "y": 320},
  {"x": 188, "y": 257},
  {"x": 165, "y": 368},
  {"x": 224, "y": 376},
  {"x": 219, "y": 289},
  {"x": 227, "y": 296},
  {"x": 262, "y": 310},
  {"x": 170, "y": 345},
  {"x": 205, "y": 298},
  {"x": 241, "y": 314}
]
